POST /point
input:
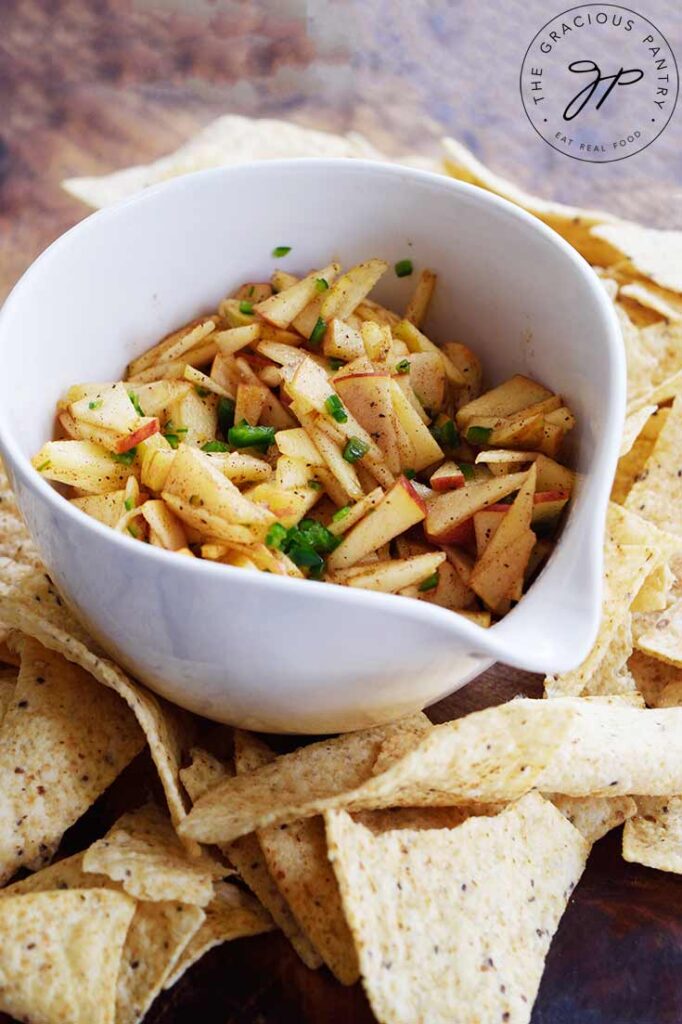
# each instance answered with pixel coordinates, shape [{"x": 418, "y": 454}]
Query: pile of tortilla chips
[{"x": 432, "y": 862}]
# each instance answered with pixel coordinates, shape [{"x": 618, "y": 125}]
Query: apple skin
[
  {"x": 124, "y": 444},
  {"x": 413, "y": 492},
  {"x": 463, "y": 534},
  {"x": 448, "y": 481},
  {"x": 539, "y": 498}
]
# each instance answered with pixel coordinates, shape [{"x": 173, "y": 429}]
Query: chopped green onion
[
  {"x": 195, "y": 500},
  {"x": 246, "y": 307},
  {"x": 44, "y": 465},
  {"x": 315, "y": 484},
  {"x": 445, "y": 434},
  {"x": 336, "y": 364},
  {"x": 132, "y": 531},
  {"x": 129, "y": 504},
  {"x": 318, "y": 536},
  {"x": 125, "y": 458},
  {"x": 226, "y": 407},
  {"x": 276, "y": 536},
  {"x": 467, "y": 470},
  {"x": 173, "y": 440},
  {"x": 479, "y": 435},
  {"x": 321, "y": 284},
  {"x": 341, "y": 513},
  {"x": 409, "y": 473},
  {"x": 305, "y": 557},
  {"x": 317, "y": 332},
  {"x": 202, "y": 392},
  {"x": 403, "y": 268},
  {"x": 246, "y": 436},
  {"x": 136, "y": 403},
  {"x": 403, "y": 366},
  {"x": 96, "y": 404},
  {"x": 334, "y": 407},
  {"x": 355, "y": 449},
  {"x": 430, "y": 583},
  {"x": 215, "y": 446},
  {"x": 281, "y": 250}
]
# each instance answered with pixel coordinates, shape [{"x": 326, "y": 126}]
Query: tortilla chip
[
  {"x": 296, "y": 857},
  {"x": 594, "y": 816},
  {"x": 144, "y": 854},
  {"x": 455, "y": 924},
  {"x": 647, "y": 252},
  {"x": 657, "y": 494},
  {"x": 664, "y": 639},
  {"x": 654, "y": 836},
  {"x": 668, "y": 304},
  {"x": 634, "y": 424},
  {"x": 63, "y": 740},
  {"x": 8, "y": 683},
  {"x": 310, "y": 774},
  {"x": 60, "y": 955},
  {"x": 652, "y": 676},
  {"x": 30, "y": 602},
  {"x": 612, "y": 676},
  {"x": 226, "y": 141},
  {"x": 231, "y": 914},
  {"x": 157, "y": 939},
  {"x": 157, "y": 935},
  {"x": 641, "y": 363},
  {"x": 574, "y": 224},
  {"x": 631, "y": 553},
  {"x": 246, "y": 854}
]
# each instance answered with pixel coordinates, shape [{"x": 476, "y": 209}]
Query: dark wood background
[{"x": 89, "y": 87}]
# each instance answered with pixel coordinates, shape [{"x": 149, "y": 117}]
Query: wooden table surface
[{"x": 91, "y": 86}]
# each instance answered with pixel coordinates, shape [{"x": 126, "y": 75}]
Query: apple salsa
[{"x": 304, "y": 429}]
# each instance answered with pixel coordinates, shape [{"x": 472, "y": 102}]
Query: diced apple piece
[
  {"x": 450, "y": 591},
  {"x": 230, "y": 310},
  {"x": 486, "y": 523},
  {"x": 107, "y": 508},
  {"x": 403, "y": 380},
  {"x": 499, "y": 578},
  {"x": 166, "y": 526},
  {"x": 183, "y": 340},
  {"x": 342, "y": 342},
  {"x": 195, "y": 479},
  {"x": 249, "y": 405},
  {"x": 81, "y": 464},
  {"x": 427, "y": 379},
  {"x": 354, "y": 513},
  {"x": 350, "y": 289},
  {"x": 297, "y": 444},
  {"x": 80, "y": 431},
  {"x": 206, "y": 523},
  {"x": 393, "y": 575},
  {"x": 461, "y": 561},
  {"x": 447, "y": 477},
  {"x": 548, "y": 505},
  {"x": 110, "y": 408},
  {"x": 368, "y": 309},
  {"x": 418, "y": 342},
  {"x": 469, "y": 365},
  {"x": 520, "y": 430},
  {"x": 363, "y": 364},
  {"x": 236, "y": 338},
  {"x": 291, "y": 472},
  {"x": 344, "y": 472},
  {"x": 283, "y": 307},
  {"x": 155, "y": 398},
  {"x": 282, "y": 279},
  {"x": 551, "y": 439},
  {"x": 175, "y": 369},
  {"x": 241, "y": 468},
  {"x": 515, "y": 394},
  {"x": 377, "y": 340},
  {"x": 426, "y": 448},
  {"x": 254, "y": 291},
  {"x": 288, "y": 506},
  {"x": 448, "y": 511},
  {"x": 283, "y": 355},
  {"x": 499, "y": 570},
  {"x": 273, "y": 413},
  {"x": 552, "y": 476},
  {"x": 193, "y": 419},
  {"x": 155, "y": 467},
  {"x": 562, "y": 417},
  {"x": 400, "y": 509},
  {"x": 147, "y": 426},
  {"x": 421, "y": 297},
  {"x": 369, "y": 398}
]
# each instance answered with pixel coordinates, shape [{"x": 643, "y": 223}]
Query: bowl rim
[{"x": 494, "y": 642}]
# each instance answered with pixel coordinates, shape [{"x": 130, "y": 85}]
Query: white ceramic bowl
[{"x": 253, "y": 649}]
